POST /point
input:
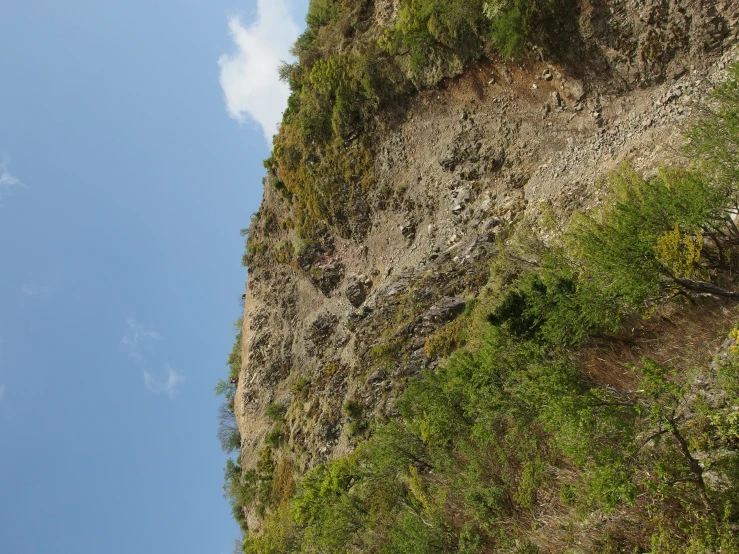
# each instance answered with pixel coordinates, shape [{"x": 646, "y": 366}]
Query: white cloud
[
  {"x": 139, "y": 340},
  {"x": 30, "y": 289},
  {"x": 8, "y": 181},
  {"x": 249, "y": 79},
  {"x": 136, "y": 336},
  {"x": 168, "y": 386}
]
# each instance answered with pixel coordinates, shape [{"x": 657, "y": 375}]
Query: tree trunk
[
  {"x": 704, "y": 286},
  {"x": 694, "y": 465}
]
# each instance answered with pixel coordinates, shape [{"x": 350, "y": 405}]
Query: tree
[{"x": 228, "y": 431}]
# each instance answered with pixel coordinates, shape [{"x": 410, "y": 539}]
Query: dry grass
[
  {"x": 681, "y": 335},
  {"x": 283, "y": 486}
]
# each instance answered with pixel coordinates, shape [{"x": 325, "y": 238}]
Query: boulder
[
  {"x": 356, "y": 292},
  {"x": 327, "y": 277},
  {"x": 574, "y": 89},
  {"x": 446, "y": 309},
  {"x": 376, "y": 377}
]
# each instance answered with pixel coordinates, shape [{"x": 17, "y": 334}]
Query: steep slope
[{"x": 336, "y": 323}]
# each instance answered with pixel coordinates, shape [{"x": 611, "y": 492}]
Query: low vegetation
[{"x": 228, "y": 431}]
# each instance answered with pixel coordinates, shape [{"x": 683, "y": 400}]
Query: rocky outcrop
[{"x": 348, "y": 319}]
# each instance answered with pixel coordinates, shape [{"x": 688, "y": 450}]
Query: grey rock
[
  {"x": 321, "y": 328},
  {"x": 355, "y": 317},
  {"x": 376, "y": 377},
  {"x": 356, "y": 292},
  {"x": 448, "y": 163},
  {"x": 574, "y": 89},
  {"x": 418, "y": 343},
  {"x": 446, "y": 309},
  {"x": 327, "y": 277}
]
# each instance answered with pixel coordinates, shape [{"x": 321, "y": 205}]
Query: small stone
[
  {"x": 508, "y": 75},
  {"x": 448, "y": 163},
  {"x": 376, "y": 377},
  {"x": 494, "y": 222},
  {"x": 457, "y": 209},
  {"x": 574, "y": 89},
  {"x": 462, "y": 195}
]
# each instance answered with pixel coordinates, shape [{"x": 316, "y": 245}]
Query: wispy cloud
[
  {"x": 138, "y": 336},
  {"x": 167, "y": 386},
  {"x": 249, "y": 78},
  {"x": 139, "y": 341},
  {"x": 30, "y": 289},
  {"x": 8, "y": 181}
]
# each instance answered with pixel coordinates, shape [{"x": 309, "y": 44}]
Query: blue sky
[{"x": 131, "y": 140}]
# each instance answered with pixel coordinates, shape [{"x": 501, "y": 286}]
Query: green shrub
[
  {"x": 321, "y": 12},
  {"x": 424, "y": 25},
  {"x": 252, "y": 251},
  {"x": 448, "y": 339},
  {"x": 275, "y": 436},
  {"x": 357, "y": 427},
  {"x": 276, "y": 411},
  {"x": 234, "y": 357},
  {"x": 352, "y": 409},
  {"x": 510, "y": 25},
  {"x": 301, "y": 388},
  {"x": 715, "y": 140}
]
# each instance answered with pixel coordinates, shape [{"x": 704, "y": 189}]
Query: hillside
[{"x": 490, "y": 304}]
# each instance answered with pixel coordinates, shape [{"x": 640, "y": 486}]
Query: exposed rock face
[
  {"x": 356, "y": 291},
  {"x": 351, "y": 317},
  {"x": 446, "y": 309}
]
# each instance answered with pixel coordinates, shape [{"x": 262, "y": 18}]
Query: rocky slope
[{"x": 334, "y": 330}]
